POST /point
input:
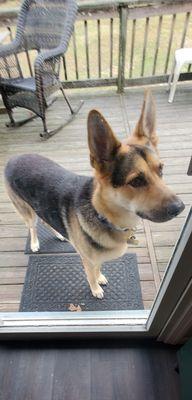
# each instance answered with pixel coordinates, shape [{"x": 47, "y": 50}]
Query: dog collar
[
  {"x": 131, "y": 239},
  {"x": 109, "y": 224}
]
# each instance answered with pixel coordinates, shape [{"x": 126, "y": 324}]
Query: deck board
[{"x": 69, "y": 148}]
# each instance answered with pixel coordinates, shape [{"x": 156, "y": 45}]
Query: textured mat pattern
[
  {"x": 54, "y": 282},
  {"x": 48, "y": 242}
]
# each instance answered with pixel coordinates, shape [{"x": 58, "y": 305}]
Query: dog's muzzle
[
  {"x": 175, "y": 208},
  {"x": 165, "y": 213}
]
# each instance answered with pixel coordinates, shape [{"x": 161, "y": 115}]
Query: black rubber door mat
[
  {"x": 58, "y": 282},
  {"x": 49, "y": 243}
]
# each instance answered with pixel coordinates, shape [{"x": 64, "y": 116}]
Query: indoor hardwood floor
[{"x": 88, "y": 371}]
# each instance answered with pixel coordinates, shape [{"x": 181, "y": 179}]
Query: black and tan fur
[{"x": 92, "y": 212}]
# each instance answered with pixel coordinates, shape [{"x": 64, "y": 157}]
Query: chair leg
[
  {"x": 8, "y": 109},
  {"x": 171, "y": 75},
  {"x": 17, "y": 124},
  {"x": 46, "y": 131},
  {"x": 174, "y": 83},
  {"x": 10, "y": 114},
  {"x": 67, "y": 100}
]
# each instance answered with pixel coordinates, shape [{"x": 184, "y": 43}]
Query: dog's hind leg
[
  {"x": 28, "y": 214},
  {"x": 35, "y": 246}
]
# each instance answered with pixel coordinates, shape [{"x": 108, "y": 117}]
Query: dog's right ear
[
  {"x": 102, "y": 142},
  {"x": 145, "y": 130}
]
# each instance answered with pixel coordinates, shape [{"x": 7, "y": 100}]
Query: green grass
[{"x": 138, "y": 51}]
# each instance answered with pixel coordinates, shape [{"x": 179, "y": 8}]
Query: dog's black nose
[{"x": 175, "y": 208}]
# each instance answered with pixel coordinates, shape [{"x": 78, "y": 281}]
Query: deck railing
[{"x": 122, "y": 43}]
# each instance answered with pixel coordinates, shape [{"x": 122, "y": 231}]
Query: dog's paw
[
  {"x": 102, "y": 280},
  {"x": 98, "y": 292},
  {"x": 60, "y": 237},
  {"x": 35, "y": 246}
]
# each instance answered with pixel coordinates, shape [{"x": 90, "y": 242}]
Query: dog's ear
[
  {"x": 146, "y": 126},
  {"x": 102, "y": 142}
]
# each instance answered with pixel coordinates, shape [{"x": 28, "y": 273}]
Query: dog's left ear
[
  {"x": 103, "y": 144},
  {"x": 146, "y": 126}
]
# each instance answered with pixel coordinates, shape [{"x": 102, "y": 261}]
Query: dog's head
[{"x": 131, "y": 173}]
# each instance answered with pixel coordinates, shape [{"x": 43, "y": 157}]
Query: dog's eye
[
  {"x": 161, "y": 170},
  {"x": 138, "y": 181}
]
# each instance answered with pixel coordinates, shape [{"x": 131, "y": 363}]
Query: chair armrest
[
  {"x": 47, "y": 56},
  {"x": 44, "y": 67},
  {"x": 9, "y": 49}
]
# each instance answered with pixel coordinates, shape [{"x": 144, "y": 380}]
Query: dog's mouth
[{"x": 164, "y": 214}]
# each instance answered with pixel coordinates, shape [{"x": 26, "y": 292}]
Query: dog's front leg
[
  {"x": 92, "y": 277},
  {"x": 101, "y": 279}
]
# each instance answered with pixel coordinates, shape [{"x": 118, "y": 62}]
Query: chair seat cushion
[
  {"x": 27, "y": 84},
  {"x": 19, "y": 83}
]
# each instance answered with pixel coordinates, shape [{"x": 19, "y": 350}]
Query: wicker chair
[{"x": 46, "y": 26}]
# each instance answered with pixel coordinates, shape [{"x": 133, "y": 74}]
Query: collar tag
[{"x": 132, "y": 240}]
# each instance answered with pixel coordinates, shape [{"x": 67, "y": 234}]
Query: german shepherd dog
[{"x": 97, "y": 215}]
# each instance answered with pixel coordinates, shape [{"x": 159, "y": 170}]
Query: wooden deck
[{"x": 69, "y": 148}]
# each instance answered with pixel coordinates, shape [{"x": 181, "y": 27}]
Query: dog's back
[{"x": 47, "y": 187}]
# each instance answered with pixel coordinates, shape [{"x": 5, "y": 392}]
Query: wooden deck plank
[
  {"x": 15, "y": 259},
  {"x": 11, "y": 307},
  {"x": 69, "y": 148},
  {"x": 13, "y": 231},
  {"x": 161, "y": 239},
  {"x": 10, "y": 218},
  {"x": 163, "y": 254},
  {"x": 149, "y": 240},
  {"x": 12, "y": 275},
  {"x": 10, "y": 293},
  {"x": 13, "y": 244},
  {"x": 148, "y": 290},
  {"x": 169, "y": 226},
  {"x": 147, "y": 304},
  {"x": 145, "y": 272}
]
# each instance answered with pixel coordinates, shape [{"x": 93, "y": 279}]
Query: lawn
[{"x": 105, "y": 46}]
